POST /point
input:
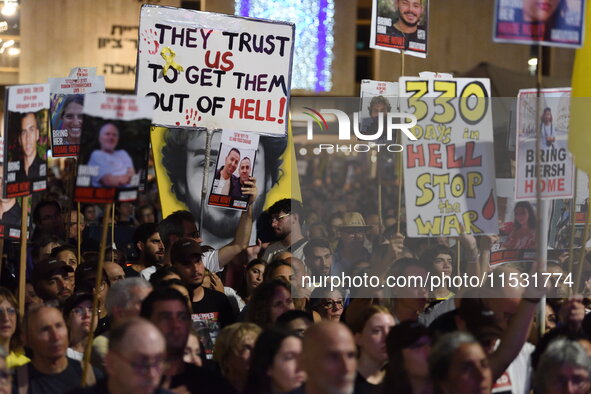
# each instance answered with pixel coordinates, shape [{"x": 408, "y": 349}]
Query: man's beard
[
  {"x": 409, "y": 24},
  {"x": 151, "y": 259}
]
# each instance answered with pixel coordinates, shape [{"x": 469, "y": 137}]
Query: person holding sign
[
  {"x": 225, "y": 182},
  {"x": 523, "y": 234},
  {"x": 31, "y": 165},
  {"x": 547, "y": 128},
  {"x": 407, "y": 26},
  {"x": 115, "y": 166},
  {"x": 71, "y": 116}
]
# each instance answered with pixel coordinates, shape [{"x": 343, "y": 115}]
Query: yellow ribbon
[{"x": 168, "y": 56}]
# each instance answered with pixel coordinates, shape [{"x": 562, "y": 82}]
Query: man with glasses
[
  {"x": 135, "y": 360},
  {"x": 286, "y": 224},
  {"x": 50, "y": 370},
  {"x": 168, "y": 310}
]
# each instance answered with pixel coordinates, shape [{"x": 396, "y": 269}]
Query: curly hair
[{"x": 259, "y": 308}]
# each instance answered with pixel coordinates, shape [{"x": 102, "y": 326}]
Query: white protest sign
[
  {"x": 449, "y": 176},
  {"x": 550, "y": 120},
  {"x": 211, "y": 70}
]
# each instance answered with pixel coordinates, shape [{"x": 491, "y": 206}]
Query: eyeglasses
[
  {"x": 10, "y": 312},
  {"x": 332, "y": 304},
  {"x": 80, "y": 310},
  {"x": 278, "y": 218},
  {"x": 145, "y": 365}
]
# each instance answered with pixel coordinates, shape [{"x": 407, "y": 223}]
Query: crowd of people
[{"x": 176, "y": 315}]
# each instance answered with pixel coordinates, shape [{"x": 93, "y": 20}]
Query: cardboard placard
[
  {"x": 113, "y": 154},
  {"x": 550, "y": 23},
  {"x": 449, "y": 177},
  {"x": 376, "y": 97},
  {"x": 400, "y": 26},
  {"x": 25, "y": 148},
  {"x": 557, "y": 168},
  {"x": 66, "y": 108},
  {"x": 235, "y": 164},
  {"x": 215, "y": 71}
]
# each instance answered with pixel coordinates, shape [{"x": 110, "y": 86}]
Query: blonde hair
[{"x": 229, "y": 340}]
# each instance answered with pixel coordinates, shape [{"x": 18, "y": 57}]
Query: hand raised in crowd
[
  {"x": 397, "y": 244},
  {"x": 252, "y": 252},
  {"x": 249, "y": 188}
]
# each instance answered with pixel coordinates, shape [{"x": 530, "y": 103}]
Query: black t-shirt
[
  {"x": 101, "y": 387},
  {"x": 59, "y": 383},
  {"x": 362, "y": 386},
  {"x": 210, "y": 315},
  {"x": 200, "y": 380}
]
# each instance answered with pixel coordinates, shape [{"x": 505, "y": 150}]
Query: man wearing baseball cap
[
  {"x": 211, "y": 309},
  {"x": 53, "y": 280}
]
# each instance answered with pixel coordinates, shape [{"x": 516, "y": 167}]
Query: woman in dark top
[
  {"x": 371, "y": 328},
  {"x": 273, "y": 367}
]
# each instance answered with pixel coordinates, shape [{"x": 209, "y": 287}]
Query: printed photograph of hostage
[
  {"x": 66, "y": 124},
  {"x": 115, "y": 165},
  {"x": 225, "y": 183},
  {"x": 234, "y": 167},
  {"x": 26, "y": 152},
  {"x": 10, "y": 214},
  {"x": 552, "y": 22},
  {"x": 112, "y": 154},
  {"x": 403, "y": 27}
]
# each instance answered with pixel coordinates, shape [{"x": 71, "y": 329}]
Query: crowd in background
[{"x": 175, "y": 315}]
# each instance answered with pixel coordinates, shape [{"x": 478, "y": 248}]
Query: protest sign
[
  {"x": 549, "y": 23},
  {"x": 376, "y": 97},
  {"x": 556, "y": 165},
  {"x": 449, "y": 170},
  {"x": 400, "y": 26},
  {"x": 113, "y": 150},
  {"x": 25, "y": 148},
  {"x": 517, "y": 227},
  {"x": 179, "y": 159},
  {"x": 235, "y": 164},
  {"x": 215, "y": 71},
  {"x": 67, "y": 103}
]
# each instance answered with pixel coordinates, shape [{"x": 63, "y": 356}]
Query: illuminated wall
[{"x": 314, "y": 41}]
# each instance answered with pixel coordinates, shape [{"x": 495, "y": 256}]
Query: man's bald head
[
  {"x": 329, "y": 358},
  {"x": 127, "y": 335},
  {"x": 135, "y": 360}
]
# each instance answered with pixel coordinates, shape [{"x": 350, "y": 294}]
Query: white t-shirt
[
  {"x": 517, "y": 378},
  {"x": 116, "y": 163}
]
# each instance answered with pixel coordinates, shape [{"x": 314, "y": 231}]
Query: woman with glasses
[
  {"x": 328, "y": 304},
  {"x": 77, "y": 314},
  {"x": 10, "y": 338}
]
